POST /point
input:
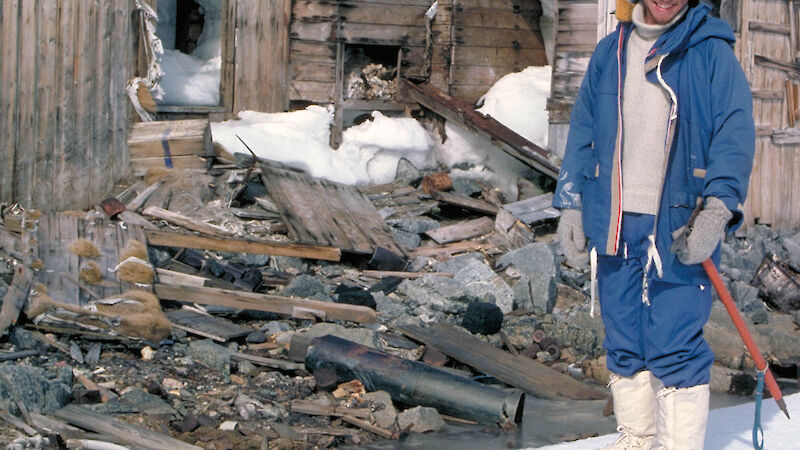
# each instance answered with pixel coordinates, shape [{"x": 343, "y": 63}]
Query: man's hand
[
  {"x": 573, "y": 241},
  {"x": 705, "y": 233}
]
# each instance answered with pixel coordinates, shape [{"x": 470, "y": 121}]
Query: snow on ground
[
  {"x": 370, "y": 152},
  {"x": 730, "y": 428}
]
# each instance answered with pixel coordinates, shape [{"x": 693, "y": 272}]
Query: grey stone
[
  {"x": 256, "y": 337},
  {"x": 466, "y": 186},
  {"x": 453, "y": 264},
  {"x": 361, "y": 336},
  {"x": 778, "y": 338},
  {"x": 40, "y": 390},
  {"x": 23, "y": 339},
  {"x": 576, "y": 328},
  {"x": 388, "y": 308},
  {"x": 275, "y": 327},
  {"x": 723, "y": 339},
  {"x": 285, "y": 263},
  {"x": 406, "y": 172},
  {"x": 332, "y": 270},
  {"x": 247, "y": 259},
  {"x": 147, "y": 403},
  {"x": 792, "y": 246},
  {"x": 3, "y": 288},
  {"x": 745, "y": 296},
  {"x": 307, "y": 286},
  {"x": 532, "y": 259},
  {"x": 435, "y": 292},
  {"x": 213, "y": 356},
  {"x": 484, "y": 284},
  {"x": 420, "y": 419},
  {"x": 246, "y": 368},
  {"x": 416, "y": 225},
  {"x": 520, "y": 330},
  {"x": 384, "y": 412},
  {"x": 406, "y": 239},
  {"x": 158, "y": 256},
  {"x": 721, "y": 378}
]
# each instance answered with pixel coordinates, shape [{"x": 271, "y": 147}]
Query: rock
[
  {"x": 246, "y": 368},
  {"x": 406, "y": 239},
  {"x": 187, "y": 425},
  {"x": 213, "y": 356},
  {"x": 576, "y": 328},
  {"x": 354, "y": 295},
  {"x": 597, "y": 370},
  {"x": 406, "y": 172},
  {"x": 743, "y": 385},
  {"x": 721, "y": 378},
  {"x": 274, "y": 327},
  {"x": 420, "y": 419},
  {"x": 536, "y": 289},
  {"x": 158, "y": 256},
  {"x": 745, "y": 296},
  {"x": 437, "y": 293},
  {"x": 290, "y": 264},
  {"x": 332, "y": 270},
  {"x": 383, "y": 410},
  {"x": 480, "y": 280},
  {"x": 147, "y": 403},
  {"x": 256, "y": 337},
  {"x": 779, "y": 338},
  {"x": 415, "y": 225},
  {"x": 467, "y": 187},
  {"x": 520, "y": 330},
  {"x": 39, "y": 390},
  {"x": 362, "y": 336},
  {"x": 723, "y": 338},
  {"x": 306, "y": 286},
  {"x": 792, "y": 246},
  {"x": 388, "y": 307},
  {"x": 3, "y": 288},
  {"x": 247, "y": 259},
  {"x": 482, "y": 318},
  {"x": 23, "y": 339}
]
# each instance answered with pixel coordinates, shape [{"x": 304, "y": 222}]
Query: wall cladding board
[{"x": 64, "y": 110}]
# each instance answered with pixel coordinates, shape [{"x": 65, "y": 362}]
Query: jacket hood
[{"x": 696, "y": 27}]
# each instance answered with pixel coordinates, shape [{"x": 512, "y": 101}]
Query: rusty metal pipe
[{"x": 415, "y": 383}]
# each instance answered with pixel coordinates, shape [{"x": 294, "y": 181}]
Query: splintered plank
[
  {"x": 464, "y": 113},
  {"x": 216, "y": 328},
  {"x": 169, "y": 239},
  {"x": 295, "y": 307},
  {"x": 326, "y": 213},
  {"x": 533, "y": 209},
  {"x": 519, "y": 371},
  {"x": 16, "y": 297},
  {"x": 465, "y": 202},
  {"x": 122, "y": 432},
  {"x": 461, "y": 231}
]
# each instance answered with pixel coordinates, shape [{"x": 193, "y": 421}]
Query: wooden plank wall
[
  {"x": 774, "y": 194},
  {"x": 492, "y": 38},
  {"x": 576, "y": 36},
  {"x": 260, "y": 78},
  {"x": 64, "y": 111},
  {"x": 473, "y": 42}
]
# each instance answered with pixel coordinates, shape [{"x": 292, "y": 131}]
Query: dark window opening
[{"x": 370, "y": 72}]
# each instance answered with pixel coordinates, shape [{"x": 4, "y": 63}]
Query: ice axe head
[{"x": 680, "y": 235}]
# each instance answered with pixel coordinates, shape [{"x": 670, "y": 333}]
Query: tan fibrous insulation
[
  {"x": 135, "y": 270},
  {"x": 134, "y": 249},
  {"x": 37, "y": 264},
  {"x": 83, "y": 248},
  {"x": 136, "y": 314},
  {"x": 91, "y": 273}
]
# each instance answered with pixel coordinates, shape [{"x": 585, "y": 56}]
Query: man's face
[{"x": 659, "y": 12}]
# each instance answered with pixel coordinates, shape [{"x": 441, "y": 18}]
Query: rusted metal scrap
[
  {"x": 778, "y": 284},
  {"x": 415, "y": 383}
]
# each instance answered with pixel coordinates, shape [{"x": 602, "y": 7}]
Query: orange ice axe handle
[{"x": 761, "y": 364}]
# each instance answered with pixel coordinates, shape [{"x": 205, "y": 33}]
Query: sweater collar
[{"x": 647, "y": 31}]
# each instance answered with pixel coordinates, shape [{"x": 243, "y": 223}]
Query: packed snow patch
[{"x": 728, "y": 428}]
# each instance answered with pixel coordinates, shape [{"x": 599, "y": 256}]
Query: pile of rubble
[{"x": 299, "y": 310}]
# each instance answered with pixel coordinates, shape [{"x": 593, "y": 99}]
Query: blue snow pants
[{"x": 665, "y": 337}]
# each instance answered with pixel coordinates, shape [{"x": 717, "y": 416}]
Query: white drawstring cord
[
  {"x": 593, "y": 284},
  {"x": 652, "y": 258}
]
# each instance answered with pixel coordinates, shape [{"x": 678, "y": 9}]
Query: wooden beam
[
  {"x": 791, "y": 69},
  {"x": 264, "y": 302},
  {"x": 522, "y": 372},
  {"x": 16, "y": 297},
  {"x": 169, "y": 239},
  {"x": 788, "y": 136},
  {"x": 756, "y": 25},
  {"x": 461, "y": 231},
  {"x": 122, "y": 432},
  {"x": 465, "y": 202},
  {"x": 186, "y": 222}
]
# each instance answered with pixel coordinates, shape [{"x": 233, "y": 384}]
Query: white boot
[
  {"x": 681, "y": 419},
  {"x": 635, "y": 410}
]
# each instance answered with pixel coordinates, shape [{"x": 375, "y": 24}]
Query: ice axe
[{"x": 730, "y": 306}]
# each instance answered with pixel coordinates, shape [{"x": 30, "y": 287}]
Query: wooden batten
[{"x": 174, "y": 144}]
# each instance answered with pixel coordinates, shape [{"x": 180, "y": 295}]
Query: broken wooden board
[
  {"x": 465, "y": 202},
  {"x": 464, "y": 113},
  {"x": 451, "y": 249},
  {"x": 212, "y": 327},
  {"x": 170, "y": 239},
  {"x": 122, "y": 432},
  {"x": 268, "y": 362},
  {"x": 518, "y": 371},
  {"x": 186, "y": 222},
  {"x": 326, "y": 213},
  {"x": 291, "y": 306},
  {"x": 16, "y": 297},
  {"x": 57, "y": 231},
  {"x": 461, "y": 231},
  {"x": 11, "y": 243},
  {"x": 533, "y": 209},
  {"x": 173, "y": 144}
]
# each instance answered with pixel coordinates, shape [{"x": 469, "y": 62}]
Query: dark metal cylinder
[{"x": 415, "y": 383}]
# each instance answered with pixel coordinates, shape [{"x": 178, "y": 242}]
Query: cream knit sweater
[{"x": 645, "y": 114}]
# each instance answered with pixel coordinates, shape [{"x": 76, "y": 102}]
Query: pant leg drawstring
[
  {"x": 652, "y": 258},
  {"x": 593, "y": 284}
]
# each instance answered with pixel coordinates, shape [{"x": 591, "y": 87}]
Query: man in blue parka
[{"x": 663, "y": 122}]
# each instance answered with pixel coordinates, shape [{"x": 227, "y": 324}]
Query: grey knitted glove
[
  {"x": 573, "y": 241},
  {"x": 706, "y": 232}
]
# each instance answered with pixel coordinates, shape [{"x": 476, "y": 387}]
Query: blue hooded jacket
[{"x": 710, "y": 135}]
